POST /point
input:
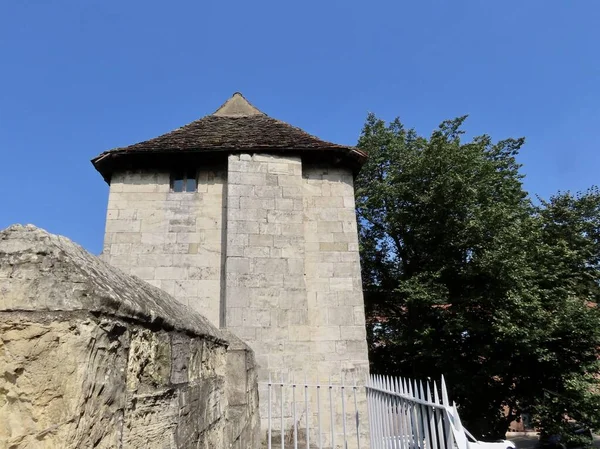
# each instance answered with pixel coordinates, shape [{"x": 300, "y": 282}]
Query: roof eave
[{"x": 105, "y": 162}]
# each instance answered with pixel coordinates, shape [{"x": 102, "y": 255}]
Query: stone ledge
[{"x": 44, "y": 272}]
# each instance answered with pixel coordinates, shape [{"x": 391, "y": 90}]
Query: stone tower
[{"x": 251, "y": 222}]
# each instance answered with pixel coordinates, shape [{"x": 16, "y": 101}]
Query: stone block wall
[
  {"x": 333, "y": 280},
  {"x": 266, "y": 302},
  {"x": 334, "y": 291},
  {"x": 172, "y": 240},
  {"x": 293, "y": 286},
  {"x": 267, "y": 248},
  {"x": 92, "y": 357}
]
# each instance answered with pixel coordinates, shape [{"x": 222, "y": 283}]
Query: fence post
[
  {"x": 294, "y": 414},
  {"x": 356, "y": 415},
  {"x": 282, "y": 419},
  {"x": 319, "y": 413},
  {"x": 431, "y": 413},
  {"x": 331, "y": 413},
  {"x": 306, "y": 412},
  {"x": 270, "y": 386}
]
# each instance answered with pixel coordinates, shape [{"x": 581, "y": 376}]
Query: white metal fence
[
  {"x": 315, "y": 415},
  {"x": 402, "y": 414},
  {"x": 406, "y": 414}
]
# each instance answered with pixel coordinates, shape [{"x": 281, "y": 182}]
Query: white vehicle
[
  {"x": 395, "y": 442},
  {"x": 474, "y": 443}
]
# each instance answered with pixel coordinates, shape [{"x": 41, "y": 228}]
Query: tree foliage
[{"x": 464, "y": 276}]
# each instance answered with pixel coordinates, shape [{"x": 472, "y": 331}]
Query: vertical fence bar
[
  {"x": 447, "y": 426},
  {"x": 388, "y": 411},
  {"x": 294, "y": 414},
  {"x": 432, "y": 426},
  {"x": 397, "y": 405},
  {"x": 395, "y": 414},
  {"x": 410, "y": 434},
  {"x": 425, "y": 419},
  {"x": 395, "y": 424},
  {"x": 370, "y": 407},
  {"x": 269, "y": 413},
  {"x": 401, "y": 415},
  {"x": 377, "y": 403},
  {"x": 399, "y": 433},
  {"x": 380, "y": 401},
  {"x": 319, "y": 413},
  {"x": 415, "y": 415},
  {"x": 422, "y": 415},
  {"x": 379, "y": 396},
  {"x": 343, "y": 392},
  {"x": 356, "y": 416},
  {"x": 377, "y": 406},
  {"x": 306, "y": 412},
  {"x": 460, "y": 439},
  {"x": 373, "y": 422},
  {"x": 282, "y": 419},
  {"x": 385, "y": 411},
  {"x": 331, "y": 413},
  {"x": 407, "y": 416},
  {"x": 439, "y": 417},
  {"x": 382, "y": 414},
  {"x": 445, "y": 399}
]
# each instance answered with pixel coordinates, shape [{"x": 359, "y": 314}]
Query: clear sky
[{"x": 78, "y": 77}]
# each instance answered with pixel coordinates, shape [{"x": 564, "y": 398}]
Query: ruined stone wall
[
  {"x": 91, "y": 357},
  {"x": 172, "y": 240},
  {"x": 242, "y": 395}
]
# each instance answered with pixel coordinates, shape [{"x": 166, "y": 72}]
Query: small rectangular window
[{"x": 183, "y": 181}]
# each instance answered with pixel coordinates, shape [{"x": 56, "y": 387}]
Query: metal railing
[
  {"x": 314, "y": 415},
  {"x": 406, "y": 414},
  {"x": 385, "y": 413}
]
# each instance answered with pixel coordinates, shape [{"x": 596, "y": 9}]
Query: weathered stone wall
[
  {"x": 242, "y": 395},
  {"x": 91, "y": 357},
  {"x": 172, "y": 240}
]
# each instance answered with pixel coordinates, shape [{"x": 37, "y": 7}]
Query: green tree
[
  {"x": 464, "y": 277},
  {"x": 567, "y": 262}
]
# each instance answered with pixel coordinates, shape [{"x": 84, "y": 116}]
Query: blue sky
[{"x": 82, "y": 76}]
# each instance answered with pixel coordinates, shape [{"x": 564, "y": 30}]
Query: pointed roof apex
[{"x": 237, "y": 106}]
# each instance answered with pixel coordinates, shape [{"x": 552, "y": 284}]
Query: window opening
[{"x": 184, "y": 181}]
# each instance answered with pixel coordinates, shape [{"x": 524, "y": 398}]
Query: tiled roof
[{"x": 236, "y": 126}]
